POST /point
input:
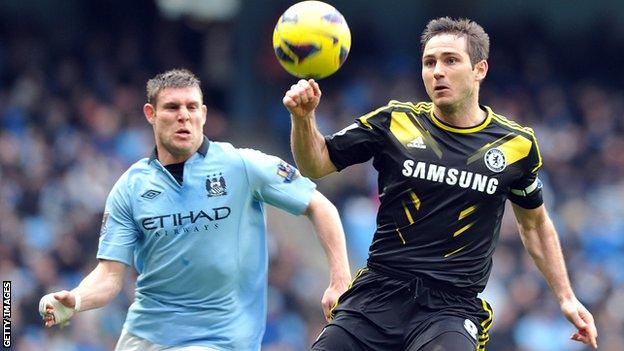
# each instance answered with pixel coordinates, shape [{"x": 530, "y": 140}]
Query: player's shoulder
[
  {"x": 137, "y": 170},
  {"x": 243, "y": 153},
  {"x": 382, "y": 115},
  {"x": 246, "y": 156},
  {"x": 509, "y": 124},
  {"x": 134, "y": 176},
  {"x": 222, "y": 148},
  {"x": 225, "y": 151}
]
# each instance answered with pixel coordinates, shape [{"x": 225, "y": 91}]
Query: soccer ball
[{"x": 311, "y": 39}]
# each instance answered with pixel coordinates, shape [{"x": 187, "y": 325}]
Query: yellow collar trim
[{"x": 474, "y": 129}]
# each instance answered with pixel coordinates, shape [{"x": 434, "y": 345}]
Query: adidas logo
[{"x": 417, "y": 143}]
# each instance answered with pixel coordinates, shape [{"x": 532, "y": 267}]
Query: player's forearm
[
  {"x": 99, "y": 287},
  {"x": 543, "y": 245},
  {"x": 324, "y": 216},
  {"x": 309, "y": 148}
]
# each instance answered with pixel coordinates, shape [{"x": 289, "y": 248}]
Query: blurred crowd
[{"x": 71, "y": 123}]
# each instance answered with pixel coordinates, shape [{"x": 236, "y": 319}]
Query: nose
[
  {"x": 438, "y": 70},
  {"x": 184, "y": 114}
]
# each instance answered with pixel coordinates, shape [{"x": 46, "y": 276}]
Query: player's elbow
[
  {"x": 320, "y": 207},
  {"x": 317, "y": 171},
  {"x": 313, "y": 173}
]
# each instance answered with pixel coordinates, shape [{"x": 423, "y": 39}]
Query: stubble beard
[
  {"x": 453, "y": 108},
  {"x": 177, "y": 151}
]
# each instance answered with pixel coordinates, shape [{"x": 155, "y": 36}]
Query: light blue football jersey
[{"x": 200, "y": 247}]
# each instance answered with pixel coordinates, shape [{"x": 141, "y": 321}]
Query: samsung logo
[{"x": 450, "y": 176}]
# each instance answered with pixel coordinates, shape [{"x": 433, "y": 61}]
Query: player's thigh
[
  {"x": 445, "y": 333},
  {"x": 131, "y": 342},
  {"x": 335, "y": 338},
  {"x": 447, "y": 341}
]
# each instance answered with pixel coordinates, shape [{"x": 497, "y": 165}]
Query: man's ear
[
  {"x": 150, "y": 113},
  {"x": 481, "y": 69}
]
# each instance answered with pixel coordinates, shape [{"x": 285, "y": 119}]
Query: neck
[
  {"x": 466, "y": 116},
  {"x": 166, "y": 158}
]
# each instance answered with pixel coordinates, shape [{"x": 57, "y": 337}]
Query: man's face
[
  {"x": 178, "y": 120},
  {"x": 448, "y": 75}
]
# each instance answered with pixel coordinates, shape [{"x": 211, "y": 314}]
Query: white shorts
[{"x": 131, "y": 342}]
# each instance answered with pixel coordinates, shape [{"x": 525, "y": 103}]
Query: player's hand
[
  {"x": 331, "y": 295},
  {"x": 302, "y": 98},
  {"x": 583, "y": 320},
  {"x": 57, "y": 308}
]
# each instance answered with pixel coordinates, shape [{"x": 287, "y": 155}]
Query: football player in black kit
[{"x": 445, "y": 168}]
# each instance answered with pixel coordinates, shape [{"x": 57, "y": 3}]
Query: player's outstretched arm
[
  {"x": 96, "y": 290},
  {"x": 324, "y": 216},
  {"x": 540, "y": 238},
  {"x": 308, "y": 144}
]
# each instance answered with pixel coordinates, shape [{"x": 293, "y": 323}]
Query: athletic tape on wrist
[{"x": 78, "y": 303}]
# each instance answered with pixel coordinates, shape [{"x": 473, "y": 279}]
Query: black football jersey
[{"x": 442, "y": 188}]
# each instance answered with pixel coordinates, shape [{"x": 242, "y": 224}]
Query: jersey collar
[
  {"x": 203, "y": 150},
  {"x": 474, "y": 129}
]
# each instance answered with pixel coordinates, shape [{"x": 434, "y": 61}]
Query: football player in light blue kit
[{"x": 191, "y": 219}]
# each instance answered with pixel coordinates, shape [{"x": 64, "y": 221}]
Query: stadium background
[{"x": 72, "y": 76}]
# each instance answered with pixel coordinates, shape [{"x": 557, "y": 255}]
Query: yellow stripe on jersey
[
  {"x": 415, "y": 200},
  {"x": 464, "y": 213},
  {"x": 516, "y": 149},
  {"x": 479, "y": 153},
  {"x": 418, "y": 108},
  {"x": 421, "y": 107},
  {"x": 455, "y": 251},
  {"x": 408, "y": 214},
  {"x": 364, "y": 119},
  {"x": 427, "y": 136},
  {"x": 402, "y": 128},
  {"x": 513, "y": 125},
  {"x": 463, "y": 229},
  {"x": 539, "y": 155},
  {"x": 441, "y": 125}
]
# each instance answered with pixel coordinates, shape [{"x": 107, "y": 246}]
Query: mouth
[
  {"x": 440, "y": 88},
  {"x": 183, "y": 132}
]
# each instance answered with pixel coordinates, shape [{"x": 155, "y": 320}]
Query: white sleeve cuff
[{"x": 78, "y": 301}]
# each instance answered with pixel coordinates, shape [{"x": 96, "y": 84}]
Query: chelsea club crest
[{"x": 495, "y": 160}]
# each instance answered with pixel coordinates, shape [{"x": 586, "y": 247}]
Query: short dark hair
[
  {"x": 175, "y": 78},
  {"x": 477, "y": 40}
]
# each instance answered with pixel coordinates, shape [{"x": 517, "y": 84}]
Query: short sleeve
[
  {"x": 527, "y": 191},
  {"x": 276, "y": 182},
  {"x": 356, "y": 143},
  {"x": 118, "y": 234}
]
